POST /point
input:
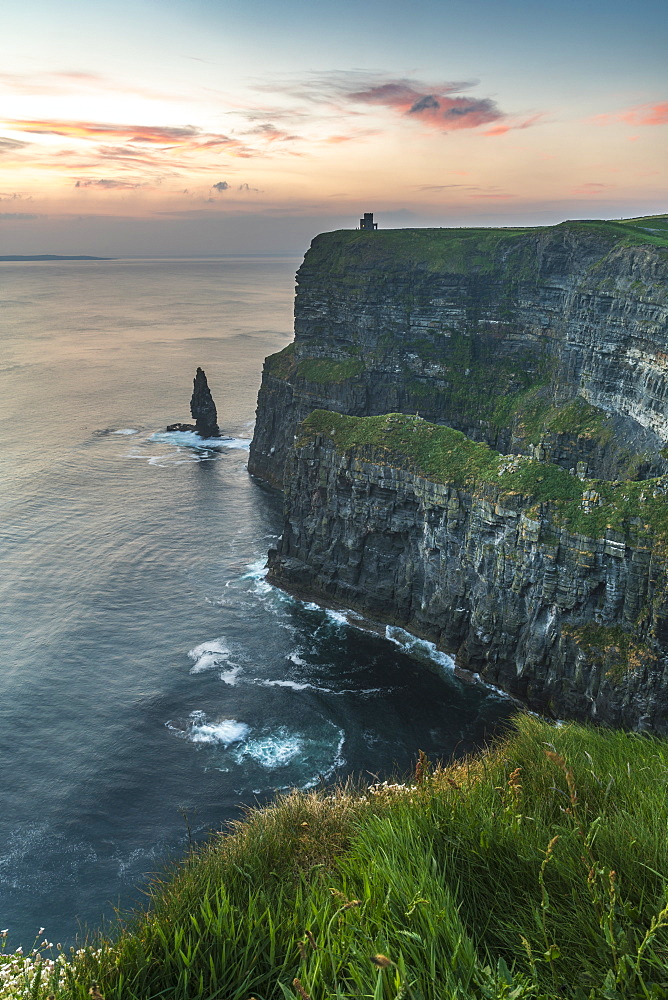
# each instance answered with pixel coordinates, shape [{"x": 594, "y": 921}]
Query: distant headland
[{"x": 51, "y": 256}]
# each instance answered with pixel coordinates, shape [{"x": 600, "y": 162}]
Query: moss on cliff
[
  {"x": 462, "y": 251},
  {"x": 613, "y": 648},
  {"x": 532, "y": 416},
  {"x": 328, "y": 370},
  {"x": 592, "y": 508},
  {"x": 281, "y": 364}
]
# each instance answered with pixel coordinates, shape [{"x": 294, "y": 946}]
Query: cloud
[
  {"x": 220, "y": 186},
  {"x": 155, "y": 146},
  {"x": 17, "y": 216},
  {"x": 441, "y": 106},
  {"x": 107, "y": 184},
  {"x": 642, "y": 114},
  {"x": 73, "y": 82},
  {"x": 272, "y": 134},
  {"x": 509, "y": 125},
  {"x": 591, "y": 188},
  {"x": 10, "y": 145},
  {"x": 160, "y": 135},
  {"x": 438, "y": 106},
  {"x": 151, "y": 153}
]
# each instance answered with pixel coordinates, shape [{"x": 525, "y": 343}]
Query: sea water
[{"x": 151, "y": 681}]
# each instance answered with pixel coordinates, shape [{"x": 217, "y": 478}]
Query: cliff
[
  {"x": 524, "y": 528},
  {"x": 553, "y": 588},
  {"x": 551, "y": 342}
]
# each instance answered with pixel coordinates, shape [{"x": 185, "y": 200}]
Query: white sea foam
[
  {"x": 211, "y": 655},
  {"x": 199, "y": 730},
  {"x": 257, "y": 572},
  {"x": 230, "y": 676},
  {"x": 190, "y": 439},
  {"x": 126, "y": 430},
  {"x": 293, "y": 685},
  {"x": 337, "y": 617},
  {"x": 418, "y": 648},
  {"x": 306, "y": 686},
  {"x": 271, "y": 750},
  {"x": 297, "y": 660}
]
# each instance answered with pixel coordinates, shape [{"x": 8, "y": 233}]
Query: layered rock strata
[
  {"x": 550, "y": 346},
  {"x": 551, "y": 342},
  {"x": 573, "y": 624}
]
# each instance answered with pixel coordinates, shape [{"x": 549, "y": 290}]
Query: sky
[{"x": 248, "y": 126}]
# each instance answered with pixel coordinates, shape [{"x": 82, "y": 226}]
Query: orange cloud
[
  {"x": 160, "y": 135},
  {"x": 643, "y": 114}
]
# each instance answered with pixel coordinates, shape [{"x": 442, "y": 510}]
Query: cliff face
[
  {"x": 573, "y": 625},
  {"x": 551, "y": 342},
  {"x": 547, "y": 345}
]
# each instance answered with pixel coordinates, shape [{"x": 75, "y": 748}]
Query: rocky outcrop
[
  {"x": 573, "y": 624},
  {"x": 551, "y": 342},
  {"x": 203, "y": 408}
]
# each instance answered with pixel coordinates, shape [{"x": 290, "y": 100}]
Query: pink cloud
[
  {"x": 643, "y": 114},
  {"x": 510, "y": 126},
  {"x": 435, "y": 107}
]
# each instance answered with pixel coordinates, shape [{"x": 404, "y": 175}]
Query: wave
[
  {"x": 419, "y": 649},
  {"x": 307, "y": 686},
  {"x": 190, "y": 439},
  {"x": 257, "y": 573},
  {"x": 271, "y": 750},
  {"x": 198, "y": 730}
]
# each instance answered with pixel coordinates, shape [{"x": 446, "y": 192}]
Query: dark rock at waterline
[{"x": 203, "y": 408}]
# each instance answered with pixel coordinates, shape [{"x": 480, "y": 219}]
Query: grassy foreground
[{"x": 538, "y": 869}]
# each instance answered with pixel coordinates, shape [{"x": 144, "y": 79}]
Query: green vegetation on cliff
[
  {"x": 613, "y": 648},
  {"x": 536, "y": 871},
  {"x": 460, "y": 251},
  {"x": 326, "y": 370},
  {"x": 590, "y": 507}
]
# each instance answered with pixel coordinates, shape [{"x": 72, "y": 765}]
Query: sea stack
[{"x": 203, "y": 408}]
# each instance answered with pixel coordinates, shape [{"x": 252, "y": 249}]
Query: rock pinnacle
[{"x": 203, "y": 407}]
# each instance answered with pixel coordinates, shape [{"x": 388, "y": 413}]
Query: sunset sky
[{"x": 223, "y": 126}]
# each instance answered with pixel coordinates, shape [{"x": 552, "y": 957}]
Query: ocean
[{"x": 152, "y": 682}]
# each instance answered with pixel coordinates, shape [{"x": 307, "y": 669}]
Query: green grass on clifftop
[
  {"x": 460, "y": 251},
  {"x": 589, "y": 507},
  {"x": 536, "y": 871}
]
